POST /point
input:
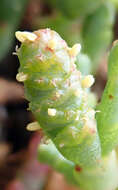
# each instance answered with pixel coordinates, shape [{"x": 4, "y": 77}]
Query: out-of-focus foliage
[
  {"x": 98, "y": 32},
  {"x": 10, "y": 14},
  {"x": 76, "y": 8},
  {"x": 115, "y": 2}
]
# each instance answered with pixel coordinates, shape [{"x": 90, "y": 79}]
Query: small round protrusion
[
  {"x": 88, "y": 81},
  {"x": 52, "y": 44},
  {"x": 75, "y": 50},
  {"x": 21, "y": 77},
  {"x": 34, "y": 126},
  {"x": 51, "y": 111},
  {"x": 23, "y": 36}
]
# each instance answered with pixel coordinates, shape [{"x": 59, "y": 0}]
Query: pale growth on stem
[
  {"x": 14, "y": 53},
  {"x": 51, "y": 111},
  {"x": 75, "y": 50},
  {"x": 78, "y": 115},
  {"x": 115, "y": 42},
  {"x": 21, "y": 77},
  {"x": 52, "y": 44},
  {"x": 45, "y": 140},
  {"x": 90, "y": 126},
  {"x": 23, "y": 36},
  {"x": 61, "y": 145},
  {"x": 97, "y": 111},
  {"x": 88, "y": 81},
  {"x": 16, "y": 50},
  {"x": 39, "y": 80},
  {"x": 57, "y": 95},
  {"x": 34, "y": 126},
  {"x": 89, "y": 121},
  {"x": 77, "y": 92}
]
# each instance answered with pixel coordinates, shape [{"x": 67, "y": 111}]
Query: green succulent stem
[
  {"x": 48, "y": 154},
  {"x": 107, "y": 118},
  {"x": 77, "y": 145}
]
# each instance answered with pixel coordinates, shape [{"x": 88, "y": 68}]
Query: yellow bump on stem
[
  {"x": 75, "y": 50},
  {"x": 57, "y": 95},
  {"x": 97, "y": 111},
  {"x": 34, "y": 126},
  {"x": 23, "y": 36},
  {"x": 90, "y": 125},
  {"x": 61, "y": 145},
  {"x": 91, "y": 113},
  {"x": 51, "y": 111},
  {"x": 89, "y": 121},
  {"x": 88, "y": 81},
  {"x": 115, "y": 42},
  {"x": 78, "y": 115},
  {"x": 39, "y": 80},
  {"x": 21, "y": 77},
  {"x": 77, "y": 92},
  {"x": 52, "y": 44},
  {"x": 16, "y": 50}
]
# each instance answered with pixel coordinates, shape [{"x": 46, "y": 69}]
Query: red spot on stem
[
  {"x": 49, "y": 49},
  {"x": 78, "y": 168},
  {"x": 93, "y": 131},
  {"x": 110, "y": 97}
]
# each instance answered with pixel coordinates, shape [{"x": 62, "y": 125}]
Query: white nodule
[
  {"x": 51, "y": 111},
  {"x": 34, "y": 126},
  {"x": 52, "y": 44},
  {"x": 88, "y": 81},
  {"x": 75, "y": 50},
  {"x": 77, "y": 92},
  {"x": 21, "y": 77},
  {"x": 23, "y": 36}
]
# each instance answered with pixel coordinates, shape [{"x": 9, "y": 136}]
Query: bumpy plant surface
[{"x": 79, "y": 141}]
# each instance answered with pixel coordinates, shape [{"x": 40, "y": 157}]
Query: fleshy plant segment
[{"x": 58, "y": 95}]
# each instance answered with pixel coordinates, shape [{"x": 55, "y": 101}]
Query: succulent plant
[{"x": 78, "y": 141}]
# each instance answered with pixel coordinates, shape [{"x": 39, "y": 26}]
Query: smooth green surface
[
  {"x": 11, "y": 11},
  {"x": 76, "y": 8},
  {"x": 97, "y": 33},
  {"x": 107, "y": 118},
  {"x": 102, "y": 177},
  {"x": 48, "y": 154}
]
